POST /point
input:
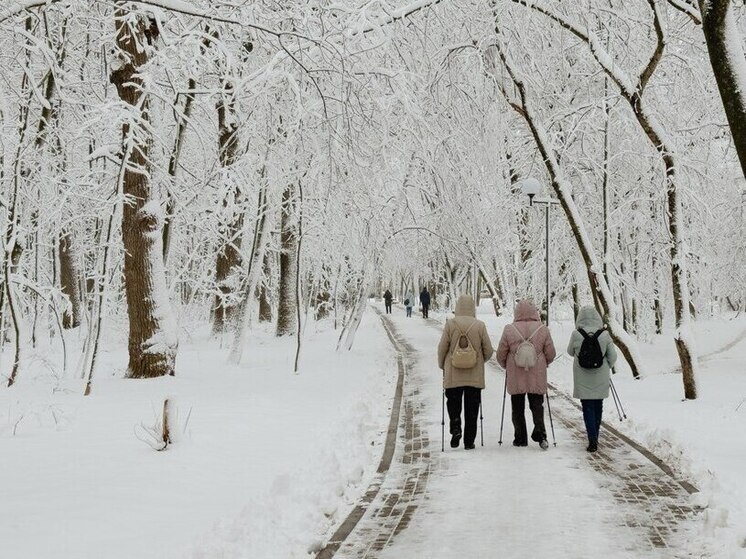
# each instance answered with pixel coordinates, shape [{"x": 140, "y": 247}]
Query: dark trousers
[
  {"x": 425, "y": 308},
  {"x": 536, "y": 403},
  {"x": 388, "y": 307},
  {"x": 409, "y": 311},
  {"x": 472, "y": 398},
  {"x": 592, "y": 412}
]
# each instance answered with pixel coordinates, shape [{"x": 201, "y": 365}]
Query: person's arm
[
  {"x": 572, "y": 345},
  {"x": 487, "y": 348},
  {"x": 444, "y": 345},
  {"x": 503, "y": 348},
  {"x": 611, "y": 353},
  {"x": 549, "y": 352}
]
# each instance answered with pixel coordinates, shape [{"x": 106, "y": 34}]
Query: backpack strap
[
  {"x": 518, "y": 331},
  {"x": 461, "y": 332},
  {"x": 593, "y": 336},
  {"x": 535, "y": 331},
  {"x": 531, "y": 336}
]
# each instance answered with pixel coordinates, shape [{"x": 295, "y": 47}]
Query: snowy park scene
[{"x": 384, "y": 279}]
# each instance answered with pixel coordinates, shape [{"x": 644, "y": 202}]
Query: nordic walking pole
[
  {"x": 616, "y": 394},
  {"x": 616, "y": 404},
  {"x": 481, "y": 420},
  {"x": 443, "y": 424},
  {"x": 551, "y": 422},
  {"x": 443, "y": 417},
  {"x": 502, "y": 414}
]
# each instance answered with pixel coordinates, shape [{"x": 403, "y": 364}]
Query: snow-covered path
[{"x": 522, "y": 502}]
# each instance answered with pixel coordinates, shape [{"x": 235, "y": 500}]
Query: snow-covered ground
[
  {"x": 271, "y": 461},
  {"x": 268, "y": 462}
]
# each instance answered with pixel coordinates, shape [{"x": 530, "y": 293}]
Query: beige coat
[{"x": 480, "y": 341}]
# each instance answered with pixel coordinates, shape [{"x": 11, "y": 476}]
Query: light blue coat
[{"x": 591, "y": 384}]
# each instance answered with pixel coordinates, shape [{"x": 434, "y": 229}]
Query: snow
[
  {"x": 267, "y": 457},
  {"x": 266, "y": 463}
]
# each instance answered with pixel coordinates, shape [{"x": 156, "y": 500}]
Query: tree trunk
[
  {"x": 69, "y": 281},
  {"x": 10, "y": 266},
  {"x": 728, "y": 64},
  {"x": 229, "y": 257},
  {"x": 265, "y": 309},
  {"x": 173, "y": 164},
  {"x": 575, "y": 300},
  {"x": 152, "y": 328},
  {"x": 286, "y": 303}
]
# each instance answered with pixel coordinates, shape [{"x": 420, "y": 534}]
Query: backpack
[
  {"x": 525, "y": 355},
  {"x": 406, "y": 302},
  {"x": 590, "y": 355},
  {"x": 464, "y": 356}
]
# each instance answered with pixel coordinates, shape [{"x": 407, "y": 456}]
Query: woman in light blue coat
[
  {"x": 409, "y": 303},
  {"x": 591, "y": 385}
]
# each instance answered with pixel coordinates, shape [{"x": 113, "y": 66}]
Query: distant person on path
[
  {"x": 387, "y": 299},
  {"x": 408, "y": 304},
  {"x": 595, "y": 355},
  {"x": 462, "y": 351},
  {"x": 524, "y": 351},
  {"x": 425, "y": 301}
]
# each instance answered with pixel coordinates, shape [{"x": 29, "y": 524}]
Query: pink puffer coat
[{"x": 526, "y": 321}]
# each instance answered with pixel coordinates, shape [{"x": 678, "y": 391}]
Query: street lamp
[{"x": 531, "y": 187}]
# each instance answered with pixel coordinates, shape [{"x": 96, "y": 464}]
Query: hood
[
  {"x": 589, "y": 319},
  {"x": 525, "y": 311},
  {"x": 465, "y": 306}
]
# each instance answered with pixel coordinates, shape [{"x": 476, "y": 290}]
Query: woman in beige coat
[{"x": 464, "y": 383}]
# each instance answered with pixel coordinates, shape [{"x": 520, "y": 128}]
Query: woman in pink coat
[{"x": 521, "y": 381}]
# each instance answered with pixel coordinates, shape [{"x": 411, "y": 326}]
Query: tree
[{"x": 152, "y": 330}]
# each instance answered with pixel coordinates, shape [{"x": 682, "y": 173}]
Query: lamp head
[{"x": 530, "y": 187}]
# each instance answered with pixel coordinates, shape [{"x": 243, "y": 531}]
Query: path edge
[{"x": 356, "y": 514}]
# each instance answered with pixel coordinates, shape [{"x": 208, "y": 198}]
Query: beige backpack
[{"x": 464, "y": 356}]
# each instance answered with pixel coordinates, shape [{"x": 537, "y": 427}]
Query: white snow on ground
[{"x": 269, "y": 462}]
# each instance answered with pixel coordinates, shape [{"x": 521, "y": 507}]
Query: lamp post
[{"x": 531, "y": 187}]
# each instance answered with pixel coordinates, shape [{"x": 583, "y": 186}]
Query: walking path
[{"x": 510, "y": 502}]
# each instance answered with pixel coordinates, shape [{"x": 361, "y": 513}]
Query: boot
[
  {"x": 592, "y": 446},
  {"x": 456, "y": 437}
]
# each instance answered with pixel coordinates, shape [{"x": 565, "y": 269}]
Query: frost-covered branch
[
  {"x": 393, "y": 16},
  {"x": 687, "y": 8},
  {"x": 660, "y": 45}
]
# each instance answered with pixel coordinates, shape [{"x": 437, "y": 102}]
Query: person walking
[
  {"x": 525, "y": 350},
  {"x": 408, "y": 304},
  {"x": 463, "y": 349},
  {"x": 387, "y": 297},
  {"x": 594, "y": 356},
  {"x": 425, "y": 301}
]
